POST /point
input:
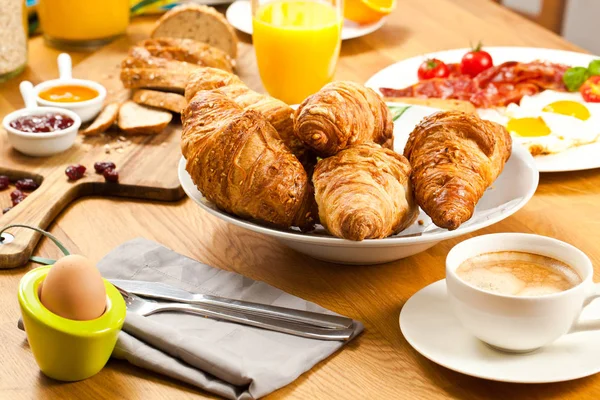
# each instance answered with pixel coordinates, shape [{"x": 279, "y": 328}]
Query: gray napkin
[{"x": 230, "y": 360}]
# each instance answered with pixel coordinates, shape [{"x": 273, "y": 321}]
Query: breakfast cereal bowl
[
  {"x": 65, "y": 349},
  {"x": 509, "y": 193},
  {"x": 41, "y": 144}
]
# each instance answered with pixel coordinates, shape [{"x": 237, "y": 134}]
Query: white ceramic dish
[
  {"x": 520, "y": 323},
  {"x": 87, "y": 110},
  {"x": 40, "y": 144},
  {"x": 239, "y": 14},
  {"x": 511, "y": 191},
  {"x": 430, "y": 327},
  {"x": 404, "y": 73}
]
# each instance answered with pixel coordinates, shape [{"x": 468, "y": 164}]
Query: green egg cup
[{"x": 64, "y": 349}]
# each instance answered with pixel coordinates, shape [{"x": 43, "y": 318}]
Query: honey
[{"x": 68, "y": 94}]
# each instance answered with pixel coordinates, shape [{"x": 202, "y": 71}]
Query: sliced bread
[
  {"x": 152, "y": 78},
  {"x": 140, "y": 57},
  {"x": 167, "y": 101},
  {"x": 135, "y": 119},
  {"x": 198, "y": 22},
  {"x": 104, "y": 120},
  {"x": 190, "y": 51},
  {"x": 142, "y": 70}
]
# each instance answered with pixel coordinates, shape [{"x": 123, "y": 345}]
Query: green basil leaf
[
  {"x": 397, "y": 111},
  {"x": 594, "y": 68},
  {"x": 574, "y": 78}
]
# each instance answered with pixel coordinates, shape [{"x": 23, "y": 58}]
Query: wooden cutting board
[{"x": 147, "y": 165}]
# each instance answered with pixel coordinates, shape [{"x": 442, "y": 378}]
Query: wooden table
[{"x": 379, "y": 364}]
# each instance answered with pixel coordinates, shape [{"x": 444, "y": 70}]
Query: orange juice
[
  {"x": 297, "y": 44},
  {"x": 78, "y": 21}
]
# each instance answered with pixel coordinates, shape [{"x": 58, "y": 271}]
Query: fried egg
[{"x": 549, "y": 122}]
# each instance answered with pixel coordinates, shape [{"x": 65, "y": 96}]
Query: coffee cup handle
[{"x": 589, "y": 325}]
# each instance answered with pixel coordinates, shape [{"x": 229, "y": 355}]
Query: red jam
[{"x": 43, "y": 123}]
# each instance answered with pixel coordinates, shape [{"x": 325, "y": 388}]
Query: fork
[{"x": 145, "y": 307}]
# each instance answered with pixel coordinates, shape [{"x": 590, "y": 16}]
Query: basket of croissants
[{"x": 331, "y": 161}]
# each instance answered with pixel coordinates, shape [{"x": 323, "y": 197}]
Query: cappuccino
[{"x": 518, "y": 274}]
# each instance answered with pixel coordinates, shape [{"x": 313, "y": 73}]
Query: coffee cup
[{"x": 519, "y": 323}]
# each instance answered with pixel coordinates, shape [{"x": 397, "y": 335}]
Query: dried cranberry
[
  {"x": 27, "y": 185},
  {"x": 16, "y": 194},
  {"x": 111, "y": 175},
  {"x": 7, "y": 209},
  {"x": 100, "y": 166},
  {"x": 4, "y": 182},
  {"x": 19, "y": 199},
  {"x": 75, "y": 172}
]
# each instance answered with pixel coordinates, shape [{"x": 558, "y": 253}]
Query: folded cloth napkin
[{"x": 230, "y": 360}]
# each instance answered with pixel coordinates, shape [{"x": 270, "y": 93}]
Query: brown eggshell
[{"x": 74, "y": 289}]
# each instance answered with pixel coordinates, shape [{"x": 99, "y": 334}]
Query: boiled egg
[{"x": 74, "y": 289}]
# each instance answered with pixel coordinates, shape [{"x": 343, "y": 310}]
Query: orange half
[{"x": 368, "y": 11}]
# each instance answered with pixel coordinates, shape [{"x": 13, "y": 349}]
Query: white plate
[
  {"x": 239, "y": 14},
  {"x": 430, "y": 327},
  {"x": 404, "y": 73},
  {"x": 511, "y": 191}
]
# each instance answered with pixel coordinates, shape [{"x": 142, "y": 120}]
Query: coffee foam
[{"x": 518, "y": 274}]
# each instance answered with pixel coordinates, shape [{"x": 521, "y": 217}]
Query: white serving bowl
[
  {"x": 510, "y": 192},
  {"x": 41, "y": 144},
  {"x": 87, "y": 110}
]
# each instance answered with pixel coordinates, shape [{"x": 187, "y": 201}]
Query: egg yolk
[
  {"x": 570, "y": 108},
  {"x": 528, "y": 127}
]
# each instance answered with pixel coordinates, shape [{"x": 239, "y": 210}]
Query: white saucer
[
  {"x": 429, "y": 326},
  {"x": 239, "y": 14}
]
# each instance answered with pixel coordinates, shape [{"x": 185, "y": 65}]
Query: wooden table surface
[{"x": 380, "y": 363}]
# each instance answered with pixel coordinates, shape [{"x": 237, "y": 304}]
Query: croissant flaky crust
[
  {"x": 455, "y": 156},
  {"x": 238, "y": 162},
  {"x": 364, "y": 192},
  {"x": 276, "y": 111},
  {"x": 342, "y": 114}
]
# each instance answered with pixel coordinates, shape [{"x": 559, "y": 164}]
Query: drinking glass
[
  {"x": 297, "y": 44},
  {"x": 82, "y": 25}
]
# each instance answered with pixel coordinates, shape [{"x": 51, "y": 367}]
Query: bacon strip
[{"x": 497, "y": 86}]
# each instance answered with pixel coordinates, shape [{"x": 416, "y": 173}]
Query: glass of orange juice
[
  {"x": 297, "y": 44},
  {"x": 81, "y": 25}
]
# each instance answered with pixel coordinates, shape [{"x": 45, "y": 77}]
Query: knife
[
  {"x": 138, "y": 305},
  {"x": 162, "y": 291}
]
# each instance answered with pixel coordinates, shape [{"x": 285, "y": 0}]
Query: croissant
[
  {"x": 342, "y": 114},
  {"x": 277, "y": 112},
  {"x": 455, "y": 156},
  {"x": 364, "y": 192},
  {"x": 238, "y": 162}
]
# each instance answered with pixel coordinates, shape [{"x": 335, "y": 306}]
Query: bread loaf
[{"x": 201, "y": 23}]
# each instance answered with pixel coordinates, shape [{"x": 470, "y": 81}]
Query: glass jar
[
  {"x": 13, "y": 38},
  {"x": 82, "y": 25}
]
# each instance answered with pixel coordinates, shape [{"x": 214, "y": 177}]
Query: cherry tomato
[
  {"x": 433, "y": 68},
  {"x": 475, "y": 62},
  {"x": 590, "y": 90}
]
